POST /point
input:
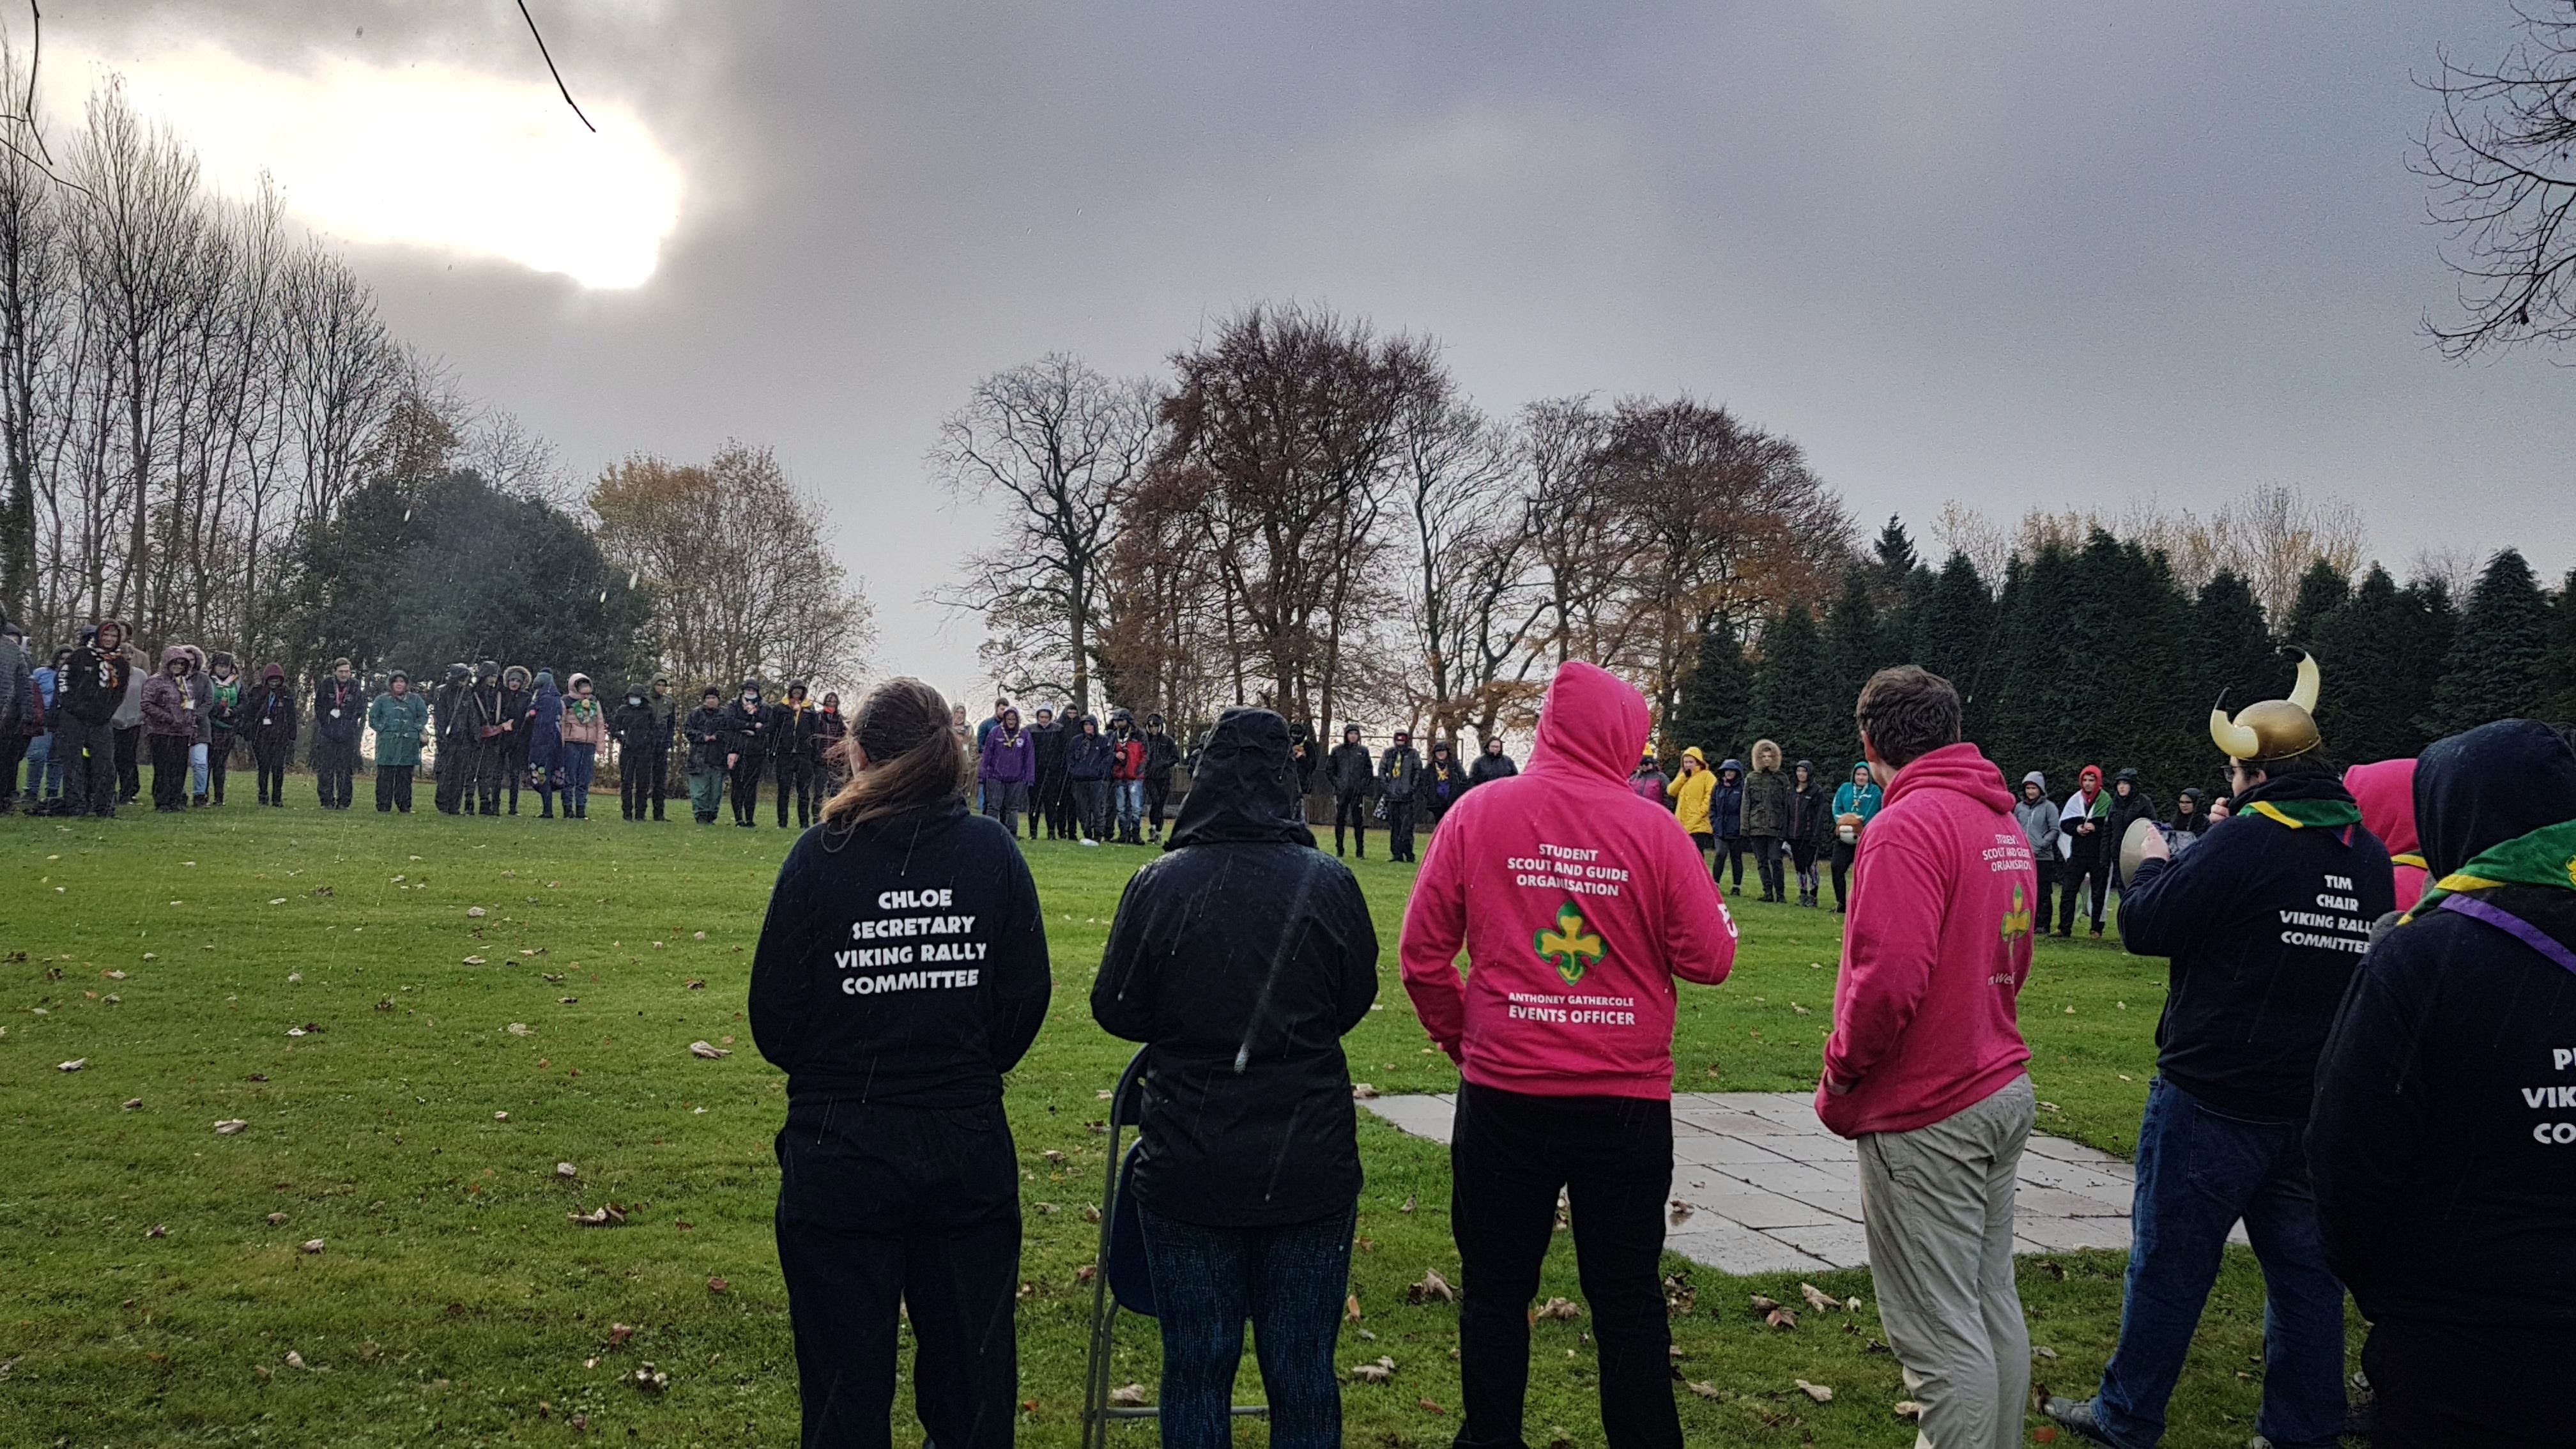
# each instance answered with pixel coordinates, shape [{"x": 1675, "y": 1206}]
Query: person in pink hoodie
[
  {"x": 1578, "y": 904},
  {"x": 2385, "y": 791},
  {"x": 1924, "y": 1068}
]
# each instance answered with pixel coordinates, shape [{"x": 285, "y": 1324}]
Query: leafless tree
[
  {"x": 1473, "y": 601},
  {"x": 34, "y": 268},
  {"x": 1060, "y": 447},
  {"x": 2496, "y": 155},
  {"x": 518, "y": 460}
]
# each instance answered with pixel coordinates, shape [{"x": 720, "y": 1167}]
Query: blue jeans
[
  {"x": 44, "y": 772},
  {"x": 2200, "y": 1170},
  {"x": 1290, "y": 1283},
  {"x": 578, "y": 764},
  {"x": 1131, "y": 804}
]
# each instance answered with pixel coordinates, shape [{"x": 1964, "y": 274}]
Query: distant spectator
[
  {"x": 666, "y": 728},
  {"x": 2130, "y": 803},
  {"x": 2080, "y": 823},
  {"x": 44, "y": 762},
  {"x": 19, "y": 708},
  {"x": 831, "y": 728},
  {"x": 747, "y": 722},
  {"x": 201, "y": 703},
  {"x": 1491, "y": 763},
  {"x": 2191, "y": 818},
  {"x": 1726, "y": 817},
  {"x": 631, "y": 726},
  {"x": 1691, "y": 791},
  {"x": 791, "y": 754},
  {"x": 584, "y": 729},
  {"x": 397, "y": 716},
  {"x": 1444, "y": 783},
  {"x": 90, "y": 691},
  {"x": 1050, "y": 803},
  {"x": 1399, "y": 776},
  {"x": 1856, "y": 803},
  {"x": 272, "y": 714},
  {"x": 2036, "y": 814},
  {"x": 1766, "y": 818},
  {"x": 1354, "y": 777},
  {"x": 1248, "y": 1166},
  {"x": 1811, "y": 828},
  {"x": 339, "y": 715},
  {"x": 128, "y": 721},
  {"x": 1087, "y": 764},
  {"x": 706, "y": 734},
  {"x": 169, "y": 728},
  {"x": 538, "y": 740},
  {"x": 519, "y": 742},
  {"x": 1127, "y": 776},
  {"x": 2439, "y": 1142},
  {"x": 1162, "y": 756},
  {"x": 225, "y": 688},
  {"x": 1926, "y": 1068},
  {"x": 2386, "y": 793},
  {"x": 1010, "y": 765},
  {"x": 1647, "y": 781}
]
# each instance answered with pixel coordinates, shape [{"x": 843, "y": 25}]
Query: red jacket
[
  {"x": 2385, "y": 791},
  {"x": 1127, "y": 759},
  {"x": 1578, "y": 903},
  {"x": 1937, "y": 946}
]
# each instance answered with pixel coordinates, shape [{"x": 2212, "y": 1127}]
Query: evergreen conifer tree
[
  {"x": 2378, "y": 680},
  {"x": 2322, "y": 590},
  {"x": 1795, "y": 695},
  {"x": 1854, "y": 648},
  {"x": 2559, "y": 707},
  {"x": 1952, "y": 629},
  {"x": 1715, "y": 699},
  {"x": 2498, "y": 663}
]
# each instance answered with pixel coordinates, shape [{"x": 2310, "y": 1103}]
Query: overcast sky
[{"x": 2012, "y": 253}]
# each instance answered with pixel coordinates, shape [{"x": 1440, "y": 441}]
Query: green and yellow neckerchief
[
  {"x": 2304, "y": 814},
  {"x": 2545, "y": 857}
]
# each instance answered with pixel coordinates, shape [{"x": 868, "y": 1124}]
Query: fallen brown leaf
[
  {"x": 1431, "y": 1289},
  {"x": 647, "y": 1379},
  {"x": 717, "y": 1285},
  {"x": 707, "y": 1050},
  {"x": 1561, "y": 1309},
  {"x": 74, "y": 1065},
  {"x": 1818, "y": 1299},
  {"x": 277, "y": 1220},
  {"x": 1351, "y": 1309},
  {"x": 1430, "y": 1406},
  {"x": 1127, "y": 1396},
  {"x": 1908, "y": 1410},
  {"x": 1705, "y": 1389},
  {"x": 1817, "y": 1392},
  {"x": 1373, "y": 1373},
  {"x": 229, "y": 1126},
  {"x": 310, "y": 1245},
  {"x": 1363, "y": 1092},
  {"x": 606, "y": 1215}
]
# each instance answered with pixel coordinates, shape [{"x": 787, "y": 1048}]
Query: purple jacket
[{"x": 1009, "y": 761}]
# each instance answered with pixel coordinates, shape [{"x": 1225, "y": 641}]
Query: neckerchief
[
  {"x": 2545, "y": 857},
  {"x": 2300, "y": 814}
]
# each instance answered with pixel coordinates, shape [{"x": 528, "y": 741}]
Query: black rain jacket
[
  {"x": 1240, "y": 957},
  {"x": 2262, "y": 939},
  {"x": 2445, "y": 1187},
  {"x": 1354, "y": 769}
]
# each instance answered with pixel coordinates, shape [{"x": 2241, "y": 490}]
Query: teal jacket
[
  {"x": 398, "y": 721},
  {"x": 1860, "y": 800}
]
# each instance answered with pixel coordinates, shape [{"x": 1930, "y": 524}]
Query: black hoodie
[
  {"x": 1241, "y": 956},
  {"x": 2264, "y": 925},
  {"x": 2444, "y": 1140},
  {"x": 904, "y": 961}
]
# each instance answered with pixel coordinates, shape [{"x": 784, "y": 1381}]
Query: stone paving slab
[{"x": 1769, "y": 1190}]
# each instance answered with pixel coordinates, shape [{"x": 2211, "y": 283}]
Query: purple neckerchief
[{"x": 2512, "y": 925}]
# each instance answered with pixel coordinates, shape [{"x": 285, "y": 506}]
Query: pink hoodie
[
  {"x": 1935, "y": 952},
  {"x": 1578, "y": 904},
  {"x": 2385, "y": 791}
]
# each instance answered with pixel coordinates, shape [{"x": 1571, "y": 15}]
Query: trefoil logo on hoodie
[{"x": 1570, "y": 947}]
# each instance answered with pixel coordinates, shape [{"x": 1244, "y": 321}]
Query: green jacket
[{"x": 398, "y": 721}]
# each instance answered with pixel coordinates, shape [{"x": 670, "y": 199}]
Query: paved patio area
[{"x": 1770, "y": 1190}]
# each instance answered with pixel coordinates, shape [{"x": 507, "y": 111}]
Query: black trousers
[
  {"x": 635, "y": 775},
  {"x": 393, "y": 787},
  {"x": 272, "y": 778},
  {"x": 455, "y": 776},
  {"x": 1091, "y": 808},
  {"x": 1510, "y": 1155},
  {"x": 1351, "y": 808},
  {"x": 2439, "y": 1385},
  {"x": 1399, "y": 829},
  {"x": 1158, "y": 793},
  {"x": 219, "y": 756},
  {"x": 2046, "y": 862},
  {"x": 170, "y": 771},
  {"x": 796, "y": 780},
  {"x": 1766, "y": 863},
  {"x": 884, "y": 1209},
  {"x": 1844, "y": 855},
  {"x": 129, "y": 763},
  {"x": 492, "y": 769},
  {"x": 1047, "y": 806},
  {"x": 656, "y": 766},
  {"x": 1730, "y": 852},
  {"x": 2085, "y": 865},
  {"x": 334, "y": 766},
  {"x": 746, "y": 790},
  {"x": 13, "y": 753}
]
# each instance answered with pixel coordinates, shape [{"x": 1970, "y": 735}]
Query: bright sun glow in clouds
[{"x": 425, "y": 155}]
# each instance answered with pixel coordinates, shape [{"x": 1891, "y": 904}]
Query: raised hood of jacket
[
  {"x": 1592, "y": 724},
  {"x": 1245, "y": 788},
  {"x": 2477, "y": 790}
]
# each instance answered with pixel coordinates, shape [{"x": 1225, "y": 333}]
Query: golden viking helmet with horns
[{"x": 2272, "y": 729}]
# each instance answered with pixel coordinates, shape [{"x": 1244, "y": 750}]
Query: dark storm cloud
[{"x": 2015, "y": 254}]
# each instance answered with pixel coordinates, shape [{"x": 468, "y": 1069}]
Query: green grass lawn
[{"x": 159, "y": 1290}]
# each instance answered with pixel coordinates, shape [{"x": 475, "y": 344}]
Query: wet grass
[{"x": 153, "y": 1301}]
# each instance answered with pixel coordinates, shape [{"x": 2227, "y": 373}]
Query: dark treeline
[{"x": 2096, "y": 654}]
